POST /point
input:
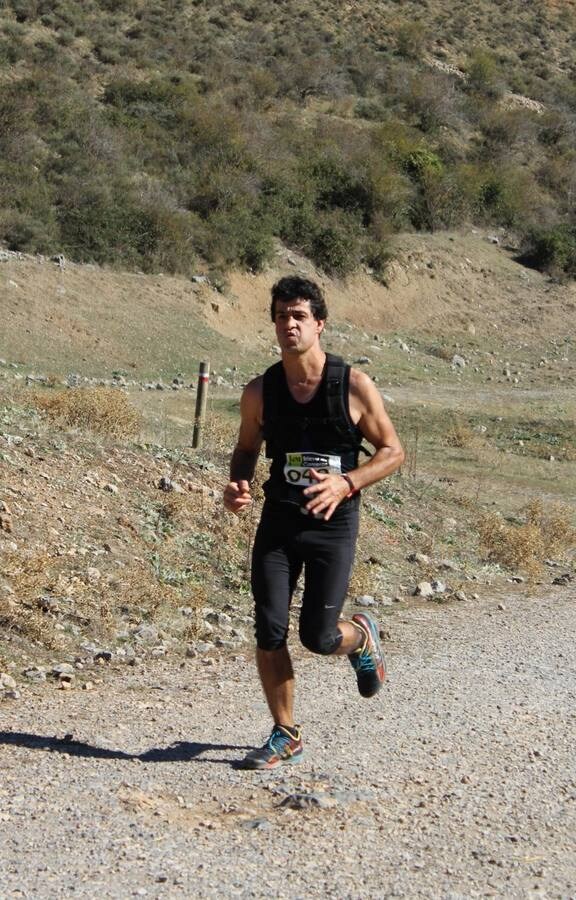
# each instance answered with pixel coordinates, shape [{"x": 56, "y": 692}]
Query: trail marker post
[{"x": 201, "y": 399}]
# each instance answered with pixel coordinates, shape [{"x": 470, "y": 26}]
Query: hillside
[{"x": 195, "y": 135}]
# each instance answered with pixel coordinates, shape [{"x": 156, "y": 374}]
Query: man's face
[{"x": 296, "y": 328}]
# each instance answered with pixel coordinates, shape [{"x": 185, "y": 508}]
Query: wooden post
[{"x": 201, "y": 398}]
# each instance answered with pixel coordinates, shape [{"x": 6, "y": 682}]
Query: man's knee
[{"x": 324, "y": 643}]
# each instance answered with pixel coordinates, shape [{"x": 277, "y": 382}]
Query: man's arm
[
  {"x": 368, "y": 412},
  {"x": 245, "y": 454}
]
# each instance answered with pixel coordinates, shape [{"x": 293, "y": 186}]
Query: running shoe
[
  {"x": 368, "y": 660},
  {"x": 281, "y": 747}
]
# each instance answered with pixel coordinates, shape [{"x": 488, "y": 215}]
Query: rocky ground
[{"x": 459, "y": 780}]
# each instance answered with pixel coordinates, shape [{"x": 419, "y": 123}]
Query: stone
[
  {"x": 6, "y": 681},
  {"x": 438, "y": 586},
  {"x": 93, "y": 575},
  {"x": 460, "y": 595},
  {"x": 34, "y": 673},
  {"x": 11, "y": 694},
  {"x": 146, "y": 633},
  {"x": 458, "y": 362},
  {"x": 62, "y": 670},
  {"x": 363, "y": 361},
  {"x": 317, "y": 800},
  {"x": 6, "y": 523},
  {"x": 448, "y": 565},
  {"x": 111, "y": 488},
  {"x": 366, "y": 600},
  {"x": 419, "y": 558},
  {"x": 424, "y": 589}
]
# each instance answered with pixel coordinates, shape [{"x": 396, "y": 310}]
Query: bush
[
  {"x": 483, "y": 74},
  {"x": 103, "y": 410},
  {"x": 551, "y": 250},
  {"x": 544, "y": 531},
  {"x": 410, "y": 40},
  {"x": 335, "y": 245}
]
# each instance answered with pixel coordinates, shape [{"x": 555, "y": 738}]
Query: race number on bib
[{"x": 298, "y": 466}]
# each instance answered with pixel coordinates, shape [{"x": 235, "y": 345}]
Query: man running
[{"x": 312, "y": 411}]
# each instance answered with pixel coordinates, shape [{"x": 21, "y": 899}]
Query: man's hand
[
  {"x": 237, "y": 496},
  {"x": 328, "y": 492}
]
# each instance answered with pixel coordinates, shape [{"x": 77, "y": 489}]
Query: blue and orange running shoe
[
  {"x": 282, "y": 747},
  {"x": 368, "y": 660}
]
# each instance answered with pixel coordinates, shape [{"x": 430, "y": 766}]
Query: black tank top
[{"x": 318, "y": 434}]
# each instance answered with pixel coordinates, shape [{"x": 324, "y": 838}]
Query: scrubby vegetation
[
  {"x": 102, "y": 410},
  {"x": 153, "y": 134}
]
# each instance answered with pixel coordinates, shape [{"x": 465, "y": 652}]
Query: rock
[
  {"x": 460, "y": 595},
  {"x": 146, "y": 633},
  {"x": 34, "y": 673},
  {"x": 317, "y": 800},
  {"x": 11, "y": 694},
  {"x": 424, "y": 589},
  {"x": 48, "y": 604},
  {"x": 448, "y": 565},
  {"x": 563, "y": 579},
  {"x": 366, "y": 600},
  {"x": 93, "y": 575},
  {"x": 458, "y": 362},
  {"x": 226, "y": 645},
  {"x": 62, "y": 671},
  {"x": 6, "y": 681},
  {"x": 5, "y": 518},
  {"x": 221, "y": 619},
  {"x": 502, "y": 607},
  {"x": 363, "y": 361},
  {"x": 419, "y": 558},
  {"x": 111, "y": 488},
  {"x": 438, "y": 586}
]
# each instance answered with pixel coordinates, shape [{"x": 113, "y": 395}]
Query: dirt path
[{"x": 459, "y": 781}]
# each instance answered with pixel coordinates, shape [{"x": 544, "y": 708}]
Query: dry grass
[
  {"x": 547, "y": 531},
  {"x": 21, "y": 612},
  {"x": 100, "y": 409},
  {"x": 460, "y": 435}
]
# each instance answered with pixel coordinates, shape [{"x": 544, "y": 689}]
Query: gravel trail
[{"x": 458, "y": 781}]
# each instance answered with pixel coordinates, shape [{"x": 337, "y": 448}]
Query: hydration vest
[{"x": 319, "y": 434}]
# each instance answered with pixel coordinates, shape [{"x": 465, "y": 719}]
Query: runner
[{"x": 312, "y": 411}]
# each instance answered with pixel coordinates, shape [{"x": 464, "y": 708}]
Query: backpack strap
[{"x": 337, "y": 392}]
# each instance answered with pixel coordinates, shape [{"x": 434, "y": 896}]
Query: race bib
[{"x": 298, "y": 466}]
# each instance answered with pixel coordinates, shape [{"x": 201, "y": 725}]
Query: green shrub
[
  {"x": 483, "y": 74},
  {"x": 410, "y": 40},
  {"x": 336, "y": 244},
  {"x": 551, "y": 249}
]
